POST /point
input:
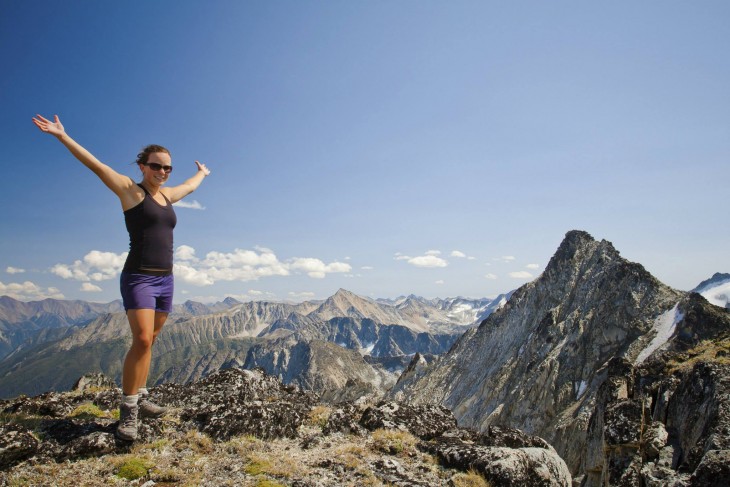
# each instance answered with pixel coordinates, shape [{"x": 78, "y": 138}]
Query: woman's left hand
[{"x": 201, "y": 167}]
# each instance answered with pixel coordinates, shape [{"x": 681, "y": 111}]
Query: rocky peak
[{"x": 536, "y": 363}]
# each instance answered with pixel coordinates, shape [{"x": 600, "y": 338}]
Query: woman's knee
[{"x": 143, "y": 341}]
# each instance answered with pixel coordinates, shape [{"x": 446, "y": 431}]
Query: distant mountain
[
  {"x": 458, "y": 310},
  {"x": 716, "y": 290},
  {"x": 24, "y": 323},
  {"x": 199, "y": 339}
]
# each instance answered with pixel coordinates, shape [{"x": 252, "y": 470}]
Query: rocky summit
[
  {"x": 243, "y": 427},
  {"x": 542, "y": 363}
]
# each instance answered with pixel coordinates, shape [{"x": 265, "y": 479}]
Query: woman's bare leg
[
  {"x": 160, "y": 319},
  {"x": 137, "y": 363}
]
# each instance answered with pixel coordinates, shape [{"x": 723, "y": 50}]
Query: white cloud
[
  {"x": 90, "y": 288},
  {"x": 367, "y": 268},
  {"x": 191, "y": 275},
  {"x": 247, "y": 265},
  {"x": 28, "y": 291},
  {"x": 14, "y": 270},
  {"x": 317, "y": 269},
  {"x": 491, "y": 276},
  {"x": 241, "y": 265},
  {"x": 428, "y": 261},
  {"x": 194, "y": 205},
  {"x": 521, "y": 275},
  {"x": 533, "y": 266},
  {"x": 440, "y": 281},
  {"x": 508, "y": 258},
  {"x": 458, "y": 253},
  {"x": 185, "y": 252},
  {"x": 95, "y": 266}
]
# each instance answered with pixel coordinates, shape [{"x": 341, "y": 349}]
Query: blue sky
[{"x": 435, "y": 148}]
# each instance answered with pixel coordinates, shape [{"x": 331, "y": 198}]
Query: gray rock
[
  {"x": 713, "y": 470},
  {"x": 345, "y": 419},
  {"x": 503, "y": 466},
  {"x": 655, "y": 438},
  {"x": 425, "y": 422},
  {"x": 97, "y": 381},
  {"x": 235, "y": 402},
  {"x": 16, "y": 444}
]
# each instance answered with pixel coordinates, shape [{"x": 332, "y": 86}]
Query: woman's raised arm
[
  {"x": 176, "y": 193},
  {"x": 118, "y": 183}
]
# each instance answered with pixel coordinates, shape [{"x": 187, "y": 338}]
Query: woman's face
[{"x": 159, "y": 176}]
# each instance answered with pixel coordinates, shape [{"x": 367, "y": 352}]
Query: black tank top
[{"x": 150, "y": 236}]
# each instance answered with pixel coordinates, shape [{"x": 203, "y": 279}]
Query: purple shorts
[{"x": 140, "y": 291}]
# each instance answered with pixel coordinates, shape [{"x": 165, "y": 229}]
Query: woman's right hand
[{"x": 53, "y": 128}]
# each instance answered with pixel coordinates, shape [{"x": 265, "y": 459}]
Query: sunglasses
[{"x": 156, "y": 167}]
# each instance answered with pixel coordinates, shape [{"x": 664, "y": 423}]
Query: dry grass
[
  {"x": 243, "y": 445},
  {"x": 319, "y": 415},
  {"x": 471, "y": 478},
  {"x": 281, "y": 466},
  {"x": 705, "y": 351},
  {"x": 394, "y": 442},
  {"x": 197, "y": 442}
]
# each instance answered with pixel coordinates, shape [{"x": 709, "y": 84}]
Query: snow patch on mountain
[{"x": 664, "y": 325}]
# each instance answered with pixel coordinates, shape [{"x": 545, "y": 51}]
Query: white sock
[
  {"x": 142, "y": 391},
  {"x": 130, "y": 400}
]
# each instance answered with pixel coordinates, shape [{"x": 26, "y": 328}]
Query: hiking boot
[
  {"x": 148, "y": 409},
  {"x": 127, "y": 429}
]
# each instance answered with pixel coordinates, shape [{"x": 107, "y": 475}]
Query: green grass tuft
[{"x": 134, "y": 468}]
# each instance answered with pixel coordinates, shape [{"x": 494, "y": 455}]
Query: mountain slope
[{"x": 537, "y": 362}]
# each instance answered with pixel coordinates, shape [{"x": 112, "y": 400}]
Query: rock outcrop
[{"x": 242, "y": 426}]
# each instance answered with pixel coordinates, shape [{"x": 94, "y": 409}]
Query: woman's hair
[{"x": 145, "y": 154}]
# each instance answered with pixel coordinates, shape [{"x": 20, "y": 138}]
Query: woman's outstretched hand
[
  {"x": 53, "y": 128},
  {"x": 201, "y": 167}
]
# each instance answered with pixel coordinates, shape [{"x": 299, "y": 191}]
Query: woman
[{"x": 146, "y": 281}]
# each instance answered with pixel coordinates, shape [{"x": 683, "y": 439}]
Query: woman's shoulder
[{"x": 133, "y": 196}]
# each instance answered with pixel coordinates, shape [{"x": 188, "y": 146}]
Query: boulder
[
  {"x": 424, "y": 421},
  {"x": 503, "y": 466}
]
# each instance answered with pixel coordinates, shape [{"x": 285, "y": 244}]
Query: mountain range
[{"x": 41, "y": 353}]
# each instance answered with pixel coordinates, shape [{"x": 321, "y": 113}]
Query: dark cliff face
[{"x": 666, "y": 421}]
